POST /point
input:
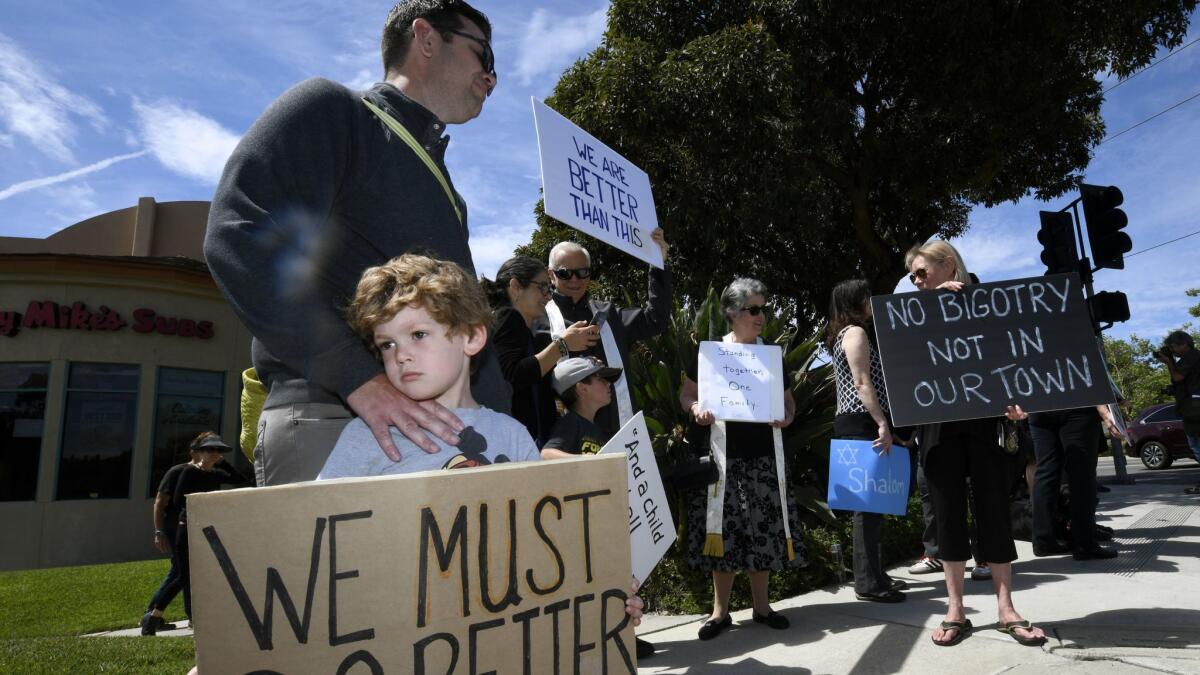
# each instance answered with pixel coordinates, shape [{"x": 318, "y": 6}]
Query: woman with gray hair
[{"x": 742, "y": 523}]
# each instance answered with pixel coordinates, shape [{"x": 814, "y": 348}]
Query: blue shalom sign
[{"x": 864, "y": 479}]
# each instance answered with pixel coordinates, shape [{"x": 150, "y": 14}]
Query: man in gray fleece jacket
[{"x": 325, "y": 184}]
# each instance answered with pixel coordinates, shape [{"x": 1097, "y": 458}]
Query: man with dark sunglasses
[
  {"x": 613, "y": 328},
  {"x": 327, "y": 183}
]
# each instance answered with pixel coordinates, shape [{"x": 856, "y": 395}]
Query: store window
[
  {"x": 22, "y": 423},
  {"x": 189, "y": 402},
  {"x": 99, "y": 431}
]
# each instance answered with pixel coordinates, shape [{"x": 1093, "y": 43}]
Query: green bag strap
[{"x": 407, "y": 137}]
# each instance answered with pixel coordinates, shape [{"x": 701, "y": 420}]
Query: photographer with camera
[{"x": 1182, "y": 360}]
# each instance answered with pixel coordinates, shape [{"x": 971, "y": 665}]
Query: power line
[
  {"x": 1173, "y": 53},
  {"x": 1192, "y": 234},
  {"x": 1161, "y": 112}
]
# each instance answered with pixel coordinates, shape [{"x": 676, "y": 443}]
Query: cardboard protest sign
[
  {"x": 512, "y": 568},
  {"x": 590, "y": 187},
  {"x": 861, "y": 479},
  {"x": 651, "y": 528},
  {"x": 741, "y": 382},
  {"x": 969, "y": 354}
]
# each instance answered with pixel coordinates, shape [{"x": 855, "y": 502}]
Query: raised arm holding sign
[{"x": 592, "y": 188}]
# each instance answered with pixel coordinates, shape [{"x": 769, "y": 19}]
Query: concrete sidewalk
[{"x": 1139, "y": 613}]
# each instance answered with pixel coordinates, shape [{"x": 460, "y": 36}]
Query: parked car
[{"x": 1156, "y": 437}]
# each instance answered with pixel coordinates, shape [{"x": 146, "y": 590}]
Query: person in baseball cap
[{"x": 585, "y": 386}]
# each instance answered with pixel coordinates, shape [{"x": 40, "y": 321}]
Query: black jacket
[
  {"x": 315, "y": 192},
  {"x": 629, "y": 324}
]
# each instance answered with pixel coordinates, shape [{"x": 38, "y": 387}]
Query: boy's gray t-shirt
[{"x": 490, "y": 438}]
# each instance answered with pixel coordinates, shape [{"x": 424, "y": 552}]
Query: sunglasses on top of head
[
  {"x": 565, "y": 273},
  {"x": 754, "y": 310}
]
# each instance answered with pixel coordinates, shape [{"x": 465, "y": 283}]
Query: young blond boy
[{"x": 425, "y": 319}]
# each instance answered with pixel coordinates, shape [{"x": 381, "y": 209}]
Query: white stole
[
  {"x": 714, "y": 516},
  {"x": 612, "y": 357}
]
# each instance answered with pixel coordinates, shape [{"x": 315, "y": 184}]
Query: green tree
[
  {"x": 1141, "y": 378},
  {"x": 806, "y": 141}
]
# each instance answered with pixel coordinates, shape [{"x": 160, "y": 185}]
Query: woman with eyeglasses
[
  {"x": 739, "y": 523},
  {"x": 862, "y": 414},
  {"x": 518, "y": 297},
  {"x": 952, "y": 452}
]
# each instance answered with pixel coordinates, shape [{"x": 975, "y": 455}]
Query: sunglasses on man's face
[
  {"x": 754, "y": 310},
  {"x": 565, "y": 273},
  {"x": 919, "y": 273},
  {"x": 487, "y": 59}
]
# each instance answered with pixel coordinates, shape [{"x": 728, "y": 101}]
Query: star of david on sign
[{"x": 847, "y": 455}]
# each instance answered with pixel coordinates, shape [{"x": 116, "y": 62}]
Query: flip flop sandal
[
  {"x": 1009, "y": 626},
  {"x": 963, "y": 629}
]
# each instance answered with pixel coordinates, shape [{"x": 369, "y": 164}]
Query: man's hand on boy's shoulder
[{"x": 381, "y": 406}]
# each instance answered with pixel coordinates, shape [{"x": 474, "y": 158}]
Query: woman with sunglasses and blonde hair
[
  {"x": 952, "y": 452},
  {"x": 742, "y": 523}
]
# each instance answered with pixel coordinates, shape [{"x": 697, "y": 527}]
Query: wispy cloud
[
  {"x": 494, "y": 245},
  {"x": 33, "y": 184},
  {"x": 72, "y": 202},
  {"x": 35, "y": 107},
  {"x": 185, "y": 141},
  {"x": 550, "y": 43}
]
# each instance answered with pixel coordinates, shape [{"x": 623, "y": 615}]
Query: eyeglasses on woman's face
[
  {"x": 754, "y": 310},
  {"x": 919, "y": 273},
  {"x": 543, "y": 287}
]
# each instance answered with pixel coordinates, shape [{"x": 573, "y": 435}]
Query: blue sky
[{"x": 101, "y": 103}]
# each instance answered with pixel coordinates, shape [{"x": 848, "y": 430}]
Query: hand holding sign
[
  {"x": 592, "y": 188},
  {"x": 966, "y": 352},
  {"x": 742, "y": 382},
  {"x": 861, "y": 478}
]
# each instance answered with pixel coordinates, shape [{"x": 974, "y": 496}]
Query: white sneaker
[
  {"x": 981, "y": 573},
  {"x": 926, "y": 565}
]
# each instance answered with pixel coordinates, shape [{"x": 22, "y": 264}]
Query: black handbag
[{"x": 693, "y": 474}]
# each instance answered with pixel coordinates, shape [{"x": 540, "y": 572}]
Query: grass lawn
[{"x": 45, "y": 612}]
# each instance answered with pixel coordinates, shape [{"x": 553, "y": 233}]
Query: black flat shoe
[
  {"x": 713, "y": 627},
  {"x": 1094, "y": 553},
  {"x": 644, "y": 649},
  {"x": 773, "y": 619},
  {"x": 899, "y": 585},
  {"x": 888, "y": 596}
]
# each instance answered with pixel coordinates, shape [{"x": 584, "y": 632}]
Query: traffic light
[
  {"x": 1109, "y": 307},
  {"x": 1058, "y": 242},
  {"x": 1104, "y": 224}
]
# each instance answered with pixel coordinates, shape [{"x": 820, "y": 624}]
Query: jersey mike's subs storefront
[{"x": 116, "y": 348}]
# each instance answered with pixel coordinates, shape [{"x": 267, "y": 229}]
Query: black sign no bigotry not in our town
[{"x": 968, "y": 354}]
